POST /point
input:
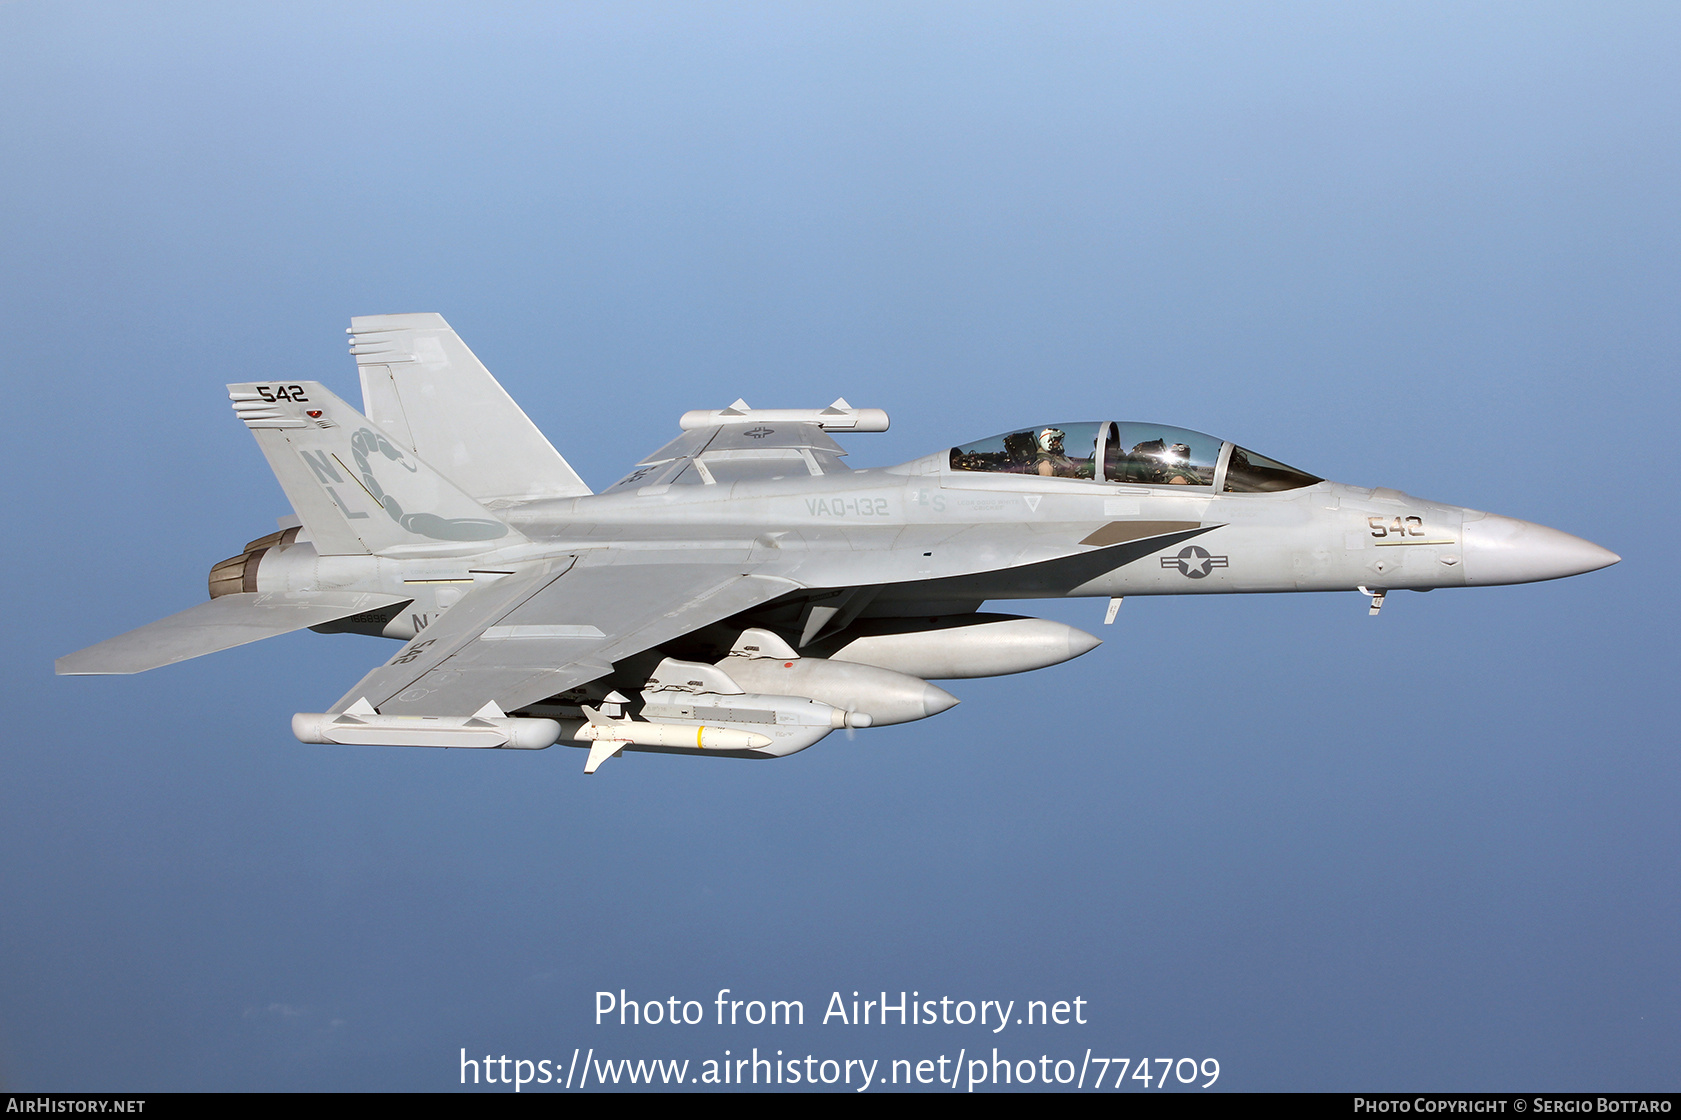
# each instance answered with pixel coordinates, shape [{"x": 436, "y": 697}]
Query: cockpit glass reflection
[
  {"x": 1051, "y": 451},
  {"x": 1160, "y": 456},
  {"x": 1249, "y": 473},
  {"x": 1142, "y": 454}
]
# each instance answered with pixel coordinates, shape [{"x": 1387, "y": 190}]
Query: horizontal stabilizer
[{"x": 222, "y": 623}]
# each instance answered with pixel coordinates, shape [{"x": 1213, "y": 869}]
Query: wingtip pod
[
  {"x": 369, "y": 729},
  {"x": 838, "y": 417}
]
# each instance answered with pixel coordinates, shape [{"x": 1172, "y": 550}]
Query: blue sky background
[{"x": 1426, "y": 246}]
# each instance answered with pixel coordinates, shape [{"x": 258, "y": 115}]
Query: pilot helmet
[
  {"x": 1180, "y": 453},
  {"x": 1051, "y": 439}
]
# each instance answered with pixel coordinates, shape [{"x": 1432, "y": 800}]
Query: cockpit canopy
[{"x": 1147, "y": 454}]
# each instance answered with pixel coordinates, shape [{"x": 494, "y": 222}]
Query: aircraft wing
[{"x": 529, "y": 636}]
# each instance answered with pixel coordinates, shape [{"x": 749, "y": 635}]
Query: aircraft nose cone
[{"x": 1506, "y": 550}]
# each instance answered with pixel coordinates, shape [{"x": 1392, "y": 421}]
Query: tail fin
[
  {"x": 353, "y": 487},
  {"x": 423, "y": 386}
]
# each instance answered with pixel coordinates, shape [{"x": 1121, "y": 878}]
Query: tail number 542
[
  {"x": 272, "y": 393},
  {"x": 1399, "y": 527}
]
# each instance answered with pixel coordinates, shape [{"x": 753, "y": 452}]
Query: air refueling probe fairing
[{"x": 742, "y": 592}]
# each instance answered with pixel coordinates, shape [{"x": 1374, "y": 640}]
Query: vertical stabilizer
[
  {"x": 354, "y": 487},
  {"x": 421, "y": 384}
]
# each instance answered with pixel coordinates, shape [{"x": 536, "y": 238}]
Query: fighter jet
[{"x": 742, "y": 592}]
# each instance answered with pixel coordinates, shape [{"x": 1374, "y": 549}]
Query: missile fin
[{"x": 601, "y": 751}]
